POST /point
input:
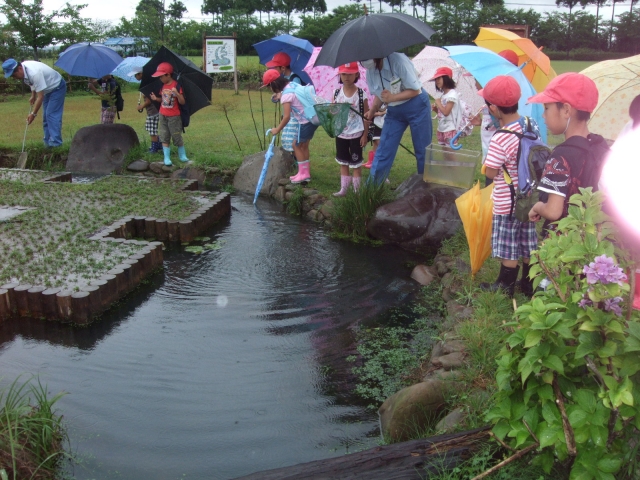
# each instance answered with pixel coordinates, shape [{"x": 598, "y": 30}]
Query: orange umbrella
[
  {"x": 475, "y": 208},
  {"x": 537, "y": 65}
]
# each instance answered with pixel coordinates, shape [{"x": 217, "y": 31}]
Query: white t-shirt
[
  {"x": 487, "y": 129},
  {"x": 447, "y": 123},
  {"x": 354, "y": 127},
  {"x": 40, "y": 77},
  {"x": 297, "y": 109}
]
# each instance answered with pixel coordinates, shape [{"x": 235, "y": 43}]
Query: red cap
[
  {"x": 576, "y": 89},
  {"x": 280, "y": 59},
  {"x": 502, "y": 91},
  {"x": 441, "y": 72},
  {"x": 348, "y": 68},
  {"x": 269, "y": 76},
  {"x": 509, "y": 55},
  {"x": 163, "y": 68}
]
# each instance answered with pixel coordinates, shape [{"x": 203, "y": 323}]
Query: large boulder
[
  {"x": 101, "y": 148},
  {"x": 420, "y": 218},
  {"x": 246, "y": 178},
  {"x": 411, "y": 410}
]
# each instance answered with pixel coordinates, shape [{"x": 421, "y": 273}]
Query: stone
[
  {"x": 411, "y": 409},
  {"x": 312, "y": 215},
  {"x": 156, "y": 167},
  {"x": 326, "y": 210},
  {"x": 190, "y": 173},
  {"x": 447, "y": 279},
  {"x": 441, "y": 258},
  {"x": 441, "y": 267},
  {"x": 454, "y": 308},
  {"x": 246, "y": 178},
  {"x": 446, "y": 294},
  {"x": 459, "y": 265},
  {"x": 451, "y": 346},
  {"x": 284, "y": 181},
  {"x": 288, "y": 195},
  {"x": 138, "y": 166},
  {"x": 452, "y": 420},
  {"x": 442, "y": 374},
  {"x": 101, "y": 148},
  {"x": 167, "y": 168},
  {"x": 280, "y": 193},
  {"x": 451, "y": 361},
  {"x": 423, "y": 275},
  {"x": 309, "y": 191}
]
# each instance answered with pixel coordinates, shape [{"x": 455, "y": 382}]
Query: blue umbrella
[
  {"x": 298, "y": 49},
  {"x": 88, "y": 59},
  {"x": 123, "y": 70},
  {"x": 265, "y": 167},
  {"x": 484, "y": 65}
]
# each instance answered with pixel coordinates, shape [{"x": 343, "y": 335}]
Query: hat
[
  {"x": 280, "y": 59},
  {"x": 509, "y": 55},
  {"x": 8, "y": 66},
  {"x": 269, "y": 76},
  {"x": 348, "y": 68},
  {"x": 576, "y": 89},
  {"x": 441, "y": 72},
  {"x": 163, "y": 68},
  {"x": 134, "y": 71},
  {"x": 502, "y": 91}
]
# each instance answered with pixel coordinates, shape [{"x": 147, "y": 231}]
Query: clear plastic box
[{"x": 454, "y": 168}]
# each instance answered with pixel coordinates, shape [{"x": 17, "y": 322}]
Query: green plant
[
  {"x": 564, "y": 377},
  {"x": 294, "y": 204}
]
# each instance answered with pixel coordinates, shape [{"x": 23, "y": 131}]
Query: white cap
[{"x": 133, "y": 71}]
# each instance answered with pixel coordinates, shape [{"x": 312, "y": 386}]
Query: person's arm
[
  {"x": 552, "y": 210},
  {"x": 39, "y": 98},
  {"x": 377, "y": 103},
  {"x": 491, "y": 173},
  {"x": 178, "y": 95},
  {"x": 91, "y": 86},
  {"x": 286, "y": 115},
  {"x": 366, "y": 123},
  {"x": 444, "y": 109},
  {"x": 408, "y": 94}
]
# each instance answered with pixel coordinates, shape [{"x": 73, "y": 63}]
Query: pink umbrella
[{"x": 325, "y": 79}]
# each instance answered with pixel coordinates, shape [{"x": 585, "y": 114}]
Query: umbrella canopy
[
  {"x": 618, "y": 83},
  {"x": 538, "y": 66},
  {"x": 88, "y": 59},
  {"x": 265, "y": 167},
  {"x": 326, "y": 79},
  {"x": 475, "y": 208},
  {"x": 196, "y": 84},
  {"x": 298, "y": 49},
  {"x": 484, "y": 65},
  {"x": 123, "y": 70},
  {"x": 430, "y": 59},
  {"x": 373, "y": 36}
]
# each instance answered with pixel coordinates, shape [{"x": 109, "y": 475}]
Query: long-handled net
[{"x": 333, "y": 117}]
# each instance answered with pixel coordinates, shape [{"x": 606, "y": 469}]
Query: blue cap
[{"x": 9, "y": 66}]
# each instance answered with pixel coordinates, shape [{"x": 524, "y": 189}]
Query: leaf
[
  {"x": 634, "y": 329},
  {"x": 627, "y": 398},
  {"x": 609, "y": 349},
  {"x": 577, "y": 417},
  {"x": 609, "y": 464},
  {"x": 500, "y": 429},
  {"x": 550, "y": 413},
  {"x": 586, "y": 399},
  {"x": 554, "y": 363},
  {"x": 532, "y": 339},
  {"x": 598, "y": 435},
  {"x": 547, "y": 435},
  {"x": 631, "y": 344},
  {"x": 553, "y": 318}
]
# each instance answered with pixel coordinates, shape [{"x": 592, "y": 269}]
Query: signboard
[{"x": 220, "y": 54}]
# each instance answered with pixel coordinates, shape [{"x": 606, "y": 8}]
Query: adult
[
  {"x": 393, "y": 80},
  {"x": 48, "y": 90}
]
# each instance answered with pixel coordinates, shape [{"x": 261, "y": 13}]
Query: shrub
[{"x": 585, "y": 54}]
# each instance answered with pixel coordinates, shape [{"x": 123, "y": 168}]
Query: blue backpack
[{"x": 307, "y": 96}]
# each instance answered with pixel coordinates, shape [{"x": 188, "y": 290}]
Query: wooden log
[
  {"x": 22, "y": 300},
  {"x": 187, "y": 232},
  {"x": 109, "y": 290},
  {"x": 63, "y": 300},
  {"x": 128, "y": 277},
  {"x": 9, "y": 287},
  {"x": 162, "y": 234},
  {"x": 5, "y": 309},
  {"x": 120, "y": 281},
  {"x": 34, "y": 297},
  {"x": 150, "y": 227},
  {"x": 80, "y": 308},
  {"x": 95, "y": 299},
  {"x": 157, "y": 255},
  {"x": 139, "y": 226},
  {"x": 130, "y": 227},
  {"x": 103, "y": 295},
  {"x": 50, "y": 303},
  {"x": 173, "y": 229}
]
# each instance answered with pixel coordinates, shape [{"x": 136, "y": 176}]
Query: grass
[{"x": 564, "y": 66}]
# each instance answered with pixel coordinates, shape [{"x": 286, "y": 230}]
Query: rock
[
  {"x": 452, "y": 420},
  {"x": 288, "y": 195},
  {"x": 441, "y": 258},
  {"x": 446, "y": 294},
  {"x": 423, "y": 275},
  {"x": 459, "y": 265},
  {"x": 156, "y": 167},
  {"x": 167, "y": 168},
  {"x": 190, "y": 173},
  {"x": 411, "y": 409},
  {"x": 101, "y": 148},
  {"x": 442, "y": 374},
  {"x": 442, "y": 268},
  {"x": 246, "y": 178},
  {"x": 312, "y": 215},
  {"x": 284, "y": 181},
  {"x": 451, "y": 346},
  {"x": 138, "y": 166},
  {"x": 326, "y": 209},
  {"x": 279, "y": 195},
  {"x": 454, "y": 308},
  {"x": 309, "y": 191},
  {"x": 449, "y": 362}
]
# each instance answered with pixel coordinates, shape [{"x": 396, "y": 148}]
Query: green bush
[{"x": 585, "y": 54}]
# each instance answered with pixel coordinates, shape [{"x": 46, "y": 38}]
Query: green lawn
[{"x": 564, "y": 66}]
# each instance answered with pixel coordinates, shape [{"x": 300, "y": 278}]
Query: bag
[
  {"x": 597, "y": 150},
  {"x": 295, "y": 75},
  {"x": 119, "y": 100},
  {"x": 307, "y": 97},
  {"x": 464, "y": 117},
  {"x": 531, "y": 158},
  {"x": 185, "y": 111}
]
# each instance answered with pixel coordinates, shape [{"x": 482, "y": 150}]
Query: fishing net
[{"x": 333, "y": 117}]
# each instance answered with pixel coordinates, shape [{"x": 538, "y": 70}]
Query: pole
[{"x": 235, "y": 60}]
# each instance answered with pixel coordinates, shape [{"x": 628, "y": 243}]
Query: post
[{"x": 235, "y": 57}]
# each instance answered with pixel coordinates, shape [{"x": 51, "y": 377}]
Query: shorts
[
  {"x": 445, "y": 137},
  {"x": 512, "y": 239},
  {"x": 376, "y": 131},
  {"x": 289, "y": 134},
  {"x": 349, "y": 152},
  {"x": 170, "y": 128},
  {"x": 306, "y": 132},
  {"x": 108, "y": 115},
  {"x": 151, "y": 124}
]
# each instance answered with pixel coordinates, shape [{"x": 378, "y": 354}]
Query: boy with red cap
[
  {"x": 576, "y": 163},
  {"x": 511, "y": 239},
  {"x": 170, "y": 123}
]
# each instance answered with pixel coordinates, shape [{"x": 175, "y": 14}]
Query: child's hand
[
  {"x": 153, "y": 96},
  {"x": 274, "y": 131},
  {"x": 363, "y": 139},
  {"x": 174, "y": 91}
]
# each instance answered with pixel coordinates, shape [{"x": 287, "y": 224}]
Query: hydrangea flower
[
  {"x": 613, "y": 305},
  {"x": 603, "y": 270},
  {"x": 585, "y": 302}
]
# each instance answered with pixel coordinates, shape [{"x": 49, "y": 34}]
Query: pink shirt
[
  {"x": 503, "y": 150},
  {"x": 297, "y": 110}
]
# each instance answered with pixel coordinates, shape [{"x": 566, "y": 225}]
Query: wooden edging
[{"x": 36, "y": 301}]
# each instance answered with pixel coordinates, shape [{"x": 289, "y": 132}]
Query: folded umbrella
[
  {"x": 124, "y": 69},
  {"x": 196, "y": 84},
  {"x": 298, "y": 49},
  {"x": 88, "y": 59},
  {"x": 265, "y": 167},
  {"x": 373, "y": 36},
  {"x": 475, "y": 208}
]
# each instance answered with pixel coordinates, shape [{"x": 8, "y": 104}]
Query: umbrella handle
[
  {"x": 267, "y": 133},
  {"x": 452, "y": 142}
]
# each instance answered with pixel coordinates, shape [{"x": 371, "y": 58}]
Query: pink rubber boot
[
  {"x": 345, "y": 181},
  {"x": 370, "y": 161},
  {"x": 297, "y": 173},
  {"x": 303, "y": 173},
  {"x": 356, "y": 183},
  {"x": 636, "y": 292}
]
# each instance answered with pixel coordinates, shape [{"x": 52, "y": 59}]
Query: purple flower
[
  {"x": 612, "y": 305},
  {"x": 585, "y": 302},
  {"x": 603, "y": 270}
]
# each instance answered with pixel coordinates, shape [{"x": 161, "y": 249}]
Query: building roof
[{"x": 125, "y": 41}]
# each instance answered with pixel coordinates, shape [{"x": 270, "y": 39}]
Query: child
[
  {"x": 153, "y": 116},
  {"x": 510, "y": 238},
  {"x": 353, "y": 138},
  {"x": 170, "y": 123},
  {"x": 376, "y": 132},
  {"x": 108, "y": 87},
  {"x": 447, "y": 106},
  {"x": 290, "y": 104}
]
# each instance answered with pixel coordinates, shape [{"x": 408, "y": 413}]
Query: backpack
[
  {"x": 597, "y": 149},
  {"x": 307, "y": 96},
  {"x": 531, "y": 158},
  {"x": 119, "y": 100},
  {"x": 185, "y": 111},
  {"x": 295, "y": 75}
]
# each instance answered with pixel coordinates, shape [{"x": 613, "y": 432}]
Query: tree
[
  {"x": 627, "y": 32},
  {"x": 569, "y": 4},
  {"x": 317, "y": 30},
  {"x": 613, "y": 15}
]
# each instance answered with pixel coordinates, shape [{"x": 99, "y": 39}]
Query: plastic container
[{"x": 453, "y": 168}]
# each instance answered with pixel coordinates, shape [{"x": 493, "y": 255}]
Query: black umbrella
[
  {"x": 373, "y": 36},
  {"x": 196, "y": 84}
]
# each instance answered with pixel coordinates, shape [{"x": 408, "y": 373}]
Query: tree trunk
[
  {"x": 597, "y": 20},
  {"x": 613, "y": 14},
  {"x": 35, "y": 54}
]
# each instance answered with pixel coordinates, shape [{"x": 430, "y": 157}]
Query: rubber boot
[
  {"x": 526, "y": 284},
  {"x": 167, "y": 156},
  {"x": 636, "y": 292},
  {"x": 182, "y": 155},
  {"x": 356, "y": 183},
  {"x": 345, "y": 181},
  {"x": 506, "y": 281},
  {"x": 370, "y": 160},
  {"x": 153, "y": 148},
  {"x": 158, "y": 147},
  {"x": 297, "y": 173},
  {"x": 303, "y": 173}
]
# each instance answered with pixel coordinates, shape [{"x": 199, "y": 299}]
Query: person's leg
[
  {"x": 45, "y": 121},
  {"x": 528, "y": 243},
  {"x": 301, "y": 152},
  {"x": 165, "y": 138},
  {"x": 505, "y": 247},
  {"x": 342, "y": 157},
  {"x": 357, "y": 175},
  {"x": 175, "y": 127},
  {"x": 418, "y": 114},
  {"x": 394, "y": 128},
  {"x": 53, "y": 115}
]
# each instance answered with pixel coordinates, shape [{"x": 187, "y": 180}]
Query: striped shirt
[{"x": 503, "y": 150}]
